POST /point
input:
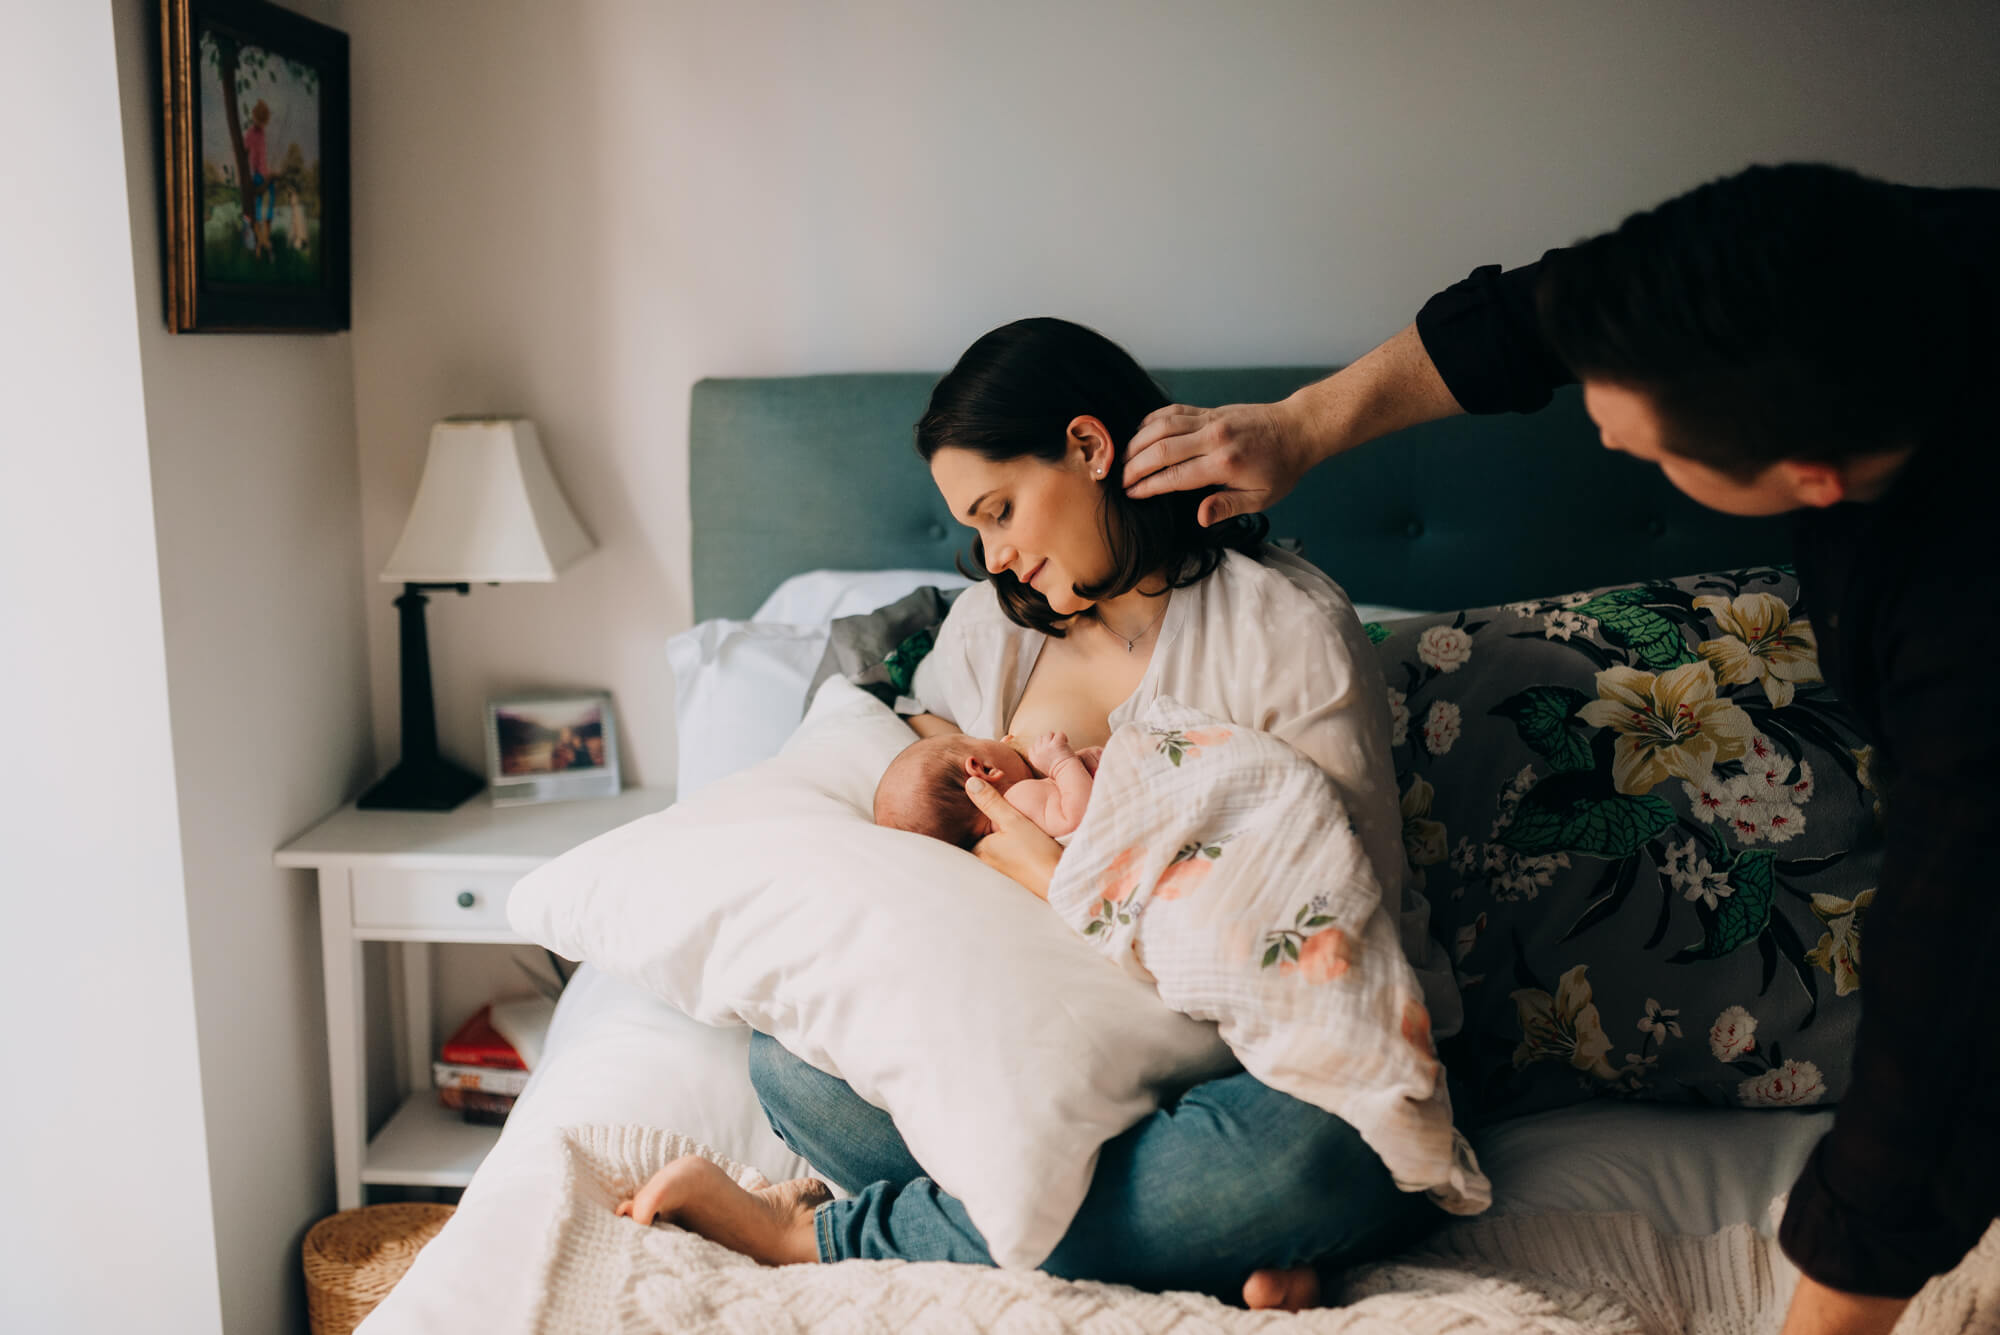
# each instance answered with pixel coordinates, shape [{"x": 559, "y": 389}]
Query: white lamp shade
[{"x": 487, "y": 511}]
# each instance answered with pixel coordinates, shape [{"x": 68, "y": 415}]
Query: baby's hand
[
  {"x": 1049, "y": 751},
  {"x": 1090, "y": 755}
]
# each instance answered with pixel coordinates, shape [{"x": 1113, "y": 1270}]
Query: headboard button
[
  {"x": 1657, "y": 527},
  {"x": 1414, "y": 529},
  {"x": 936, "y": 532}
]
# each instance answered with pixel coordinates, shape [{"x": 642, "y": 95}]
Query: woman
[{"x": 1096, "y": 604}]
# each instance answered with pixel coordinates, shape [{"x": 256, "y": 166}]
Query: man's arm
[
  {"x": 1257, "y": 452},
  {"x": 1475, "y": 347}
]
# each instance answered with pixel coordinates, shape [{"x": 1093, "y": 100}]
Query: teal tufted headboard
[{"x": 804, "y": 472}]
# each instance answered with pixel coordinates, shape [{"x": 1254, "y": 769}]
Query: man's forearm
[{"x": 1394, "y": 386}]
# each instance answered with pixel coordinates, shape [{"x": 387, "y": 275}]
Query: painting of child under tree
[{"x": 260, "y": 165}]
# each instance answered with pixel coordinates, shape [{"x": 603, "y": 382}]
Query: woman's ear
[{"x": 1090, "y": 446}]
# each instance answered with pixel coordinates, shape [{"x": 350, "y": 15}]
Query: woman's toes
[{"x": 1291, "y": 1290}]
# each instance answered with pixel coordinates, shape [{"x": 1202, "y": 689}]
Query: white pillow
[
  {"x": 739, "y": 689},
  {"x": 1376, "y": 612},
  {"x": 1005, "y": 1048},
  {"x": 816, "y": 597}
]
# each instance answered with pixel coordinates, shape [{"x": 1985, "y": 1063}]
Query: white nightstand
[{"x": 418, "y": 877}]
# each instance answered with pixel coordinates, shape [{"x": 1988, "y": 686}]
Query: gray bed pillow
[
  {"x": 879, "y": 651},
  {"x": 1647, "y": 835}
]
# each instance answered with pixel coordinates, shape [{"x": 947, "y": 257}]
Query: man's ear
[{"x": 1814, "y": 484}]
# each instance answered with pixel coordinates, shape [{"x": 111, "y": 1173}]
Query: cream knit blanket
[{"x": 1609, "y": 1274}]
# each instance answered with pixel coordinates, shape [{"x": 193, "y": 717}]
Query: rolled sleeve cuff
[
  {"x": 1874, "y": 1252},
  {"x": 1485, "y": 339}
]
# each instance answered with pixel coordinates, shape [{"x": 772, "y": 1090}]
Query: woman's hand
[
  {"x": 1256, "y": 452},
  {"x": 1017, "y": 847}
]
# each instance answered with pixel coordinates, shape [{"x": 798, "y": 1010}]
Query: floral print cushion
[{"x": 1648, "y": 837}]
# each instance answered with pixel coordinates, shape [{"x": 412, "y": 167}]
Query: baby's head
[{"x": 923, "y": 790}]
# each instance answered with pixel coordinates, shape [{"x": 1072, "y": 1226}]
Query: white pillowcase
[
  {"x": 739, "y": 690},
  {"x": 816, "y": 597},
  {"x": 1376, "y": 612},
  {"x": 1006, "y": 1049}
]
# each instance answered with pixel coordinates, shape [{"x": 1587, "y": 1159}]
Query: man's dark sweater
[{"x": 1904, "y": 595}]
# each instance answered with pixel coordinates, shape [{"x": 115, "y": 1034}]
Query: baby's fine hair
[{"x": 936, "y": 804}]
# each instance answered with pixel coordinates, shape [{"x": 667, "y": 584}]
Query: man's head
[
  {"x": 923, "y": 790},
  {"x": 1780, "y": 338}
]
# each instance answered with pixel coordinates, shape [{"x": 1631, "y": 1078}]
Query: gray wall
[
  {"x": 576, "y": 210},
  {"x": 256, "y": 507}
]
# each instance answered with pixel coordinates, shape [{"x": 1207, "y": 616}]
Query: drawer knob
[{"x": 465, "y": 899}]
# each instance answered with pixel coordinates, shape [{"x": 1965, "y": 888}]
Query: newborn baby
[{"x": 923, "y": 790}]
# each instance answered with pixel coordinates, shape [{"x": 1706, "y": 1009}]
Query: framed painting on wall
[{"x": 255, "y": 164}]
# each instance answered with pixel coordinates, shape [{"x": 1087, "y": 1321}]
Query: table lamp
[{"x": 488, "y": 511}]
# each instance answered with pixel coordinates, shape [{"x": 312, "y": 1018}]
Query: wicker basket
[{"x": 355, "y": 1257}]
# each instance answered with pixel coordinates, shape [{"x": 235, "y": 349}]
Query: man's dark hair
[
  {"x": 1013, "y": 395},
  {"x": 1790, "y": 312}
]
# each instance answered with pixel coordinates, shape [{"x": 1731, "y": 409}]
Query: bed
[{"x": 791, "y": 476}]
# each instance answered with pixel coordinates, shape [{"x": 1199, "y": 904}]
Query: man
[{"x": 1794, "y": 338}]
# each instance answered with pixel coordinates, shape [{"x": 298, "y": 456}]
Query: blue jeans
[{"x": 1230, "y": 1177}]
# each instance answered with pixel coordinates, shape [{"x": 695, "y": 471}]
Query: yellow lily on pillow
[
  {"x": 1669, "y": 724},
  {"x": 1763, "y": 644}
]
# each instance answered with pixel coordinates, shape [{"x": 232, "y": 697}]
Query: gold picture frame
[{"x": 255, "y": 168}]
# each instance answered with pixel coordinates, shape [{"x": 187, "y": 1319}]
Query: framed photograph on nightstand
[{"x": 551, "y": 748}]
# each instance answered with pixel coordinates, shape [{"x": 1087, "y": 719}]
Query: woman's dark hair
[
  {"x": 1791, "y": 312},
  {"x": 1013, "y": 395}
]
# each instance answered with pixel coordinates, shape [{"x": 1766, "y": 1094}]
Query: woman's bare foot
[
  {"x": 773, "y": 1226},
  {"x": 1288, "y": 1290}
]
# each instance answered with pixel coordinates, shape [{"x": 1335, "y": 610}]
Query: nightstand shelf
[
  {"x": 415, "y": 879},
  {"x": 426, "y": 1145}
]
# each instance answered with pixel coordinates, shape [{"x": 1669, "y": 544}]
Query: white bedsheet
[
  {"x": 619, "y": 1056},
  {"x": 614, "y": 1055}
]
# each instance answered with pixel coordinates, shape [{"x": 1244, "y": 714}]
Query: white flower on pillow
[
  {"x": 1659, "y": 1020},
  {"x": 1733, "y": 1034},
  {"x": 1786, "y": 1086},
  {"x": 1399, "y": 717},
  {"x": 1782, "y": 822},
  {"x": 1441, "y": 727},
  {"x": 1446, "y": 648},
  {"x": 1708, "y": 797},
  {"x": 1561, "y": 625}
]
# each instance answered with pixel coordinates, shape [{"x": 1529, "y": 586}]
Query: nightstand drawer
[{"x": 432, "y": 899}]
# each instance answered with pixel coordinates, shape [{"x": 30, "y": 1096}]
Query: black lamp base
[{"x": 437, "y": 785}]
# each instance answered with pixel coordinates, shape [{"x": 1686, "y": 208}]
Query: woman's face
[{"x": 1040, "y": 521}]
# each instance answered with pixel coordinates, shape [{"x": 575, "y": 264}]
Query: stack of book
[{"x": 478, "y": 1072}]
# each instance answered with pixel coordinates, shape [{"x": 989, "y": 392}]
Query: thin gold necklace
[{"x": 1143, "y": 631}]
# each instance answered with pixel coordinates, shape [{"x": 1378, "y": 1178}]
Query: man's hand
[
  {"x": 1017, "y": 847},
  {"x": 1256, "y": 452},
  {"x": 1818, "y": 1310}
]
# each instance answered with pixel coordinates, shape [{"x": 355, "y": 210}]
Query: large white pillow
[
  {"x": 1006, "y": 1049},
  {"x": 816, "y": 597},
  {"x": 739, "y": 690}
]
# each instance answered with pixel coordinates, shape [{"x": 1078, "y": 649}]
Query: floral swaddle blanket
[{"x": 1220, "y": 864}]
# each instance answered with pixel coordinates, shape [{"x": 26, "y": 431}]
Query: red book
[{"x": 478, "y": 1043}]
